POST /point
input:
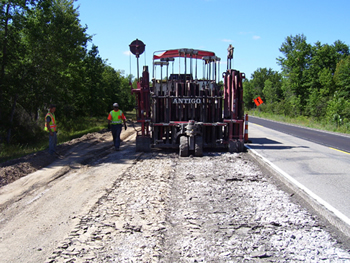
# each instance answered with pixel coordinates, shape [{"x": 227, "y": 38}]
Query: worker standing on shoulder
[
  {"x": 115, "y": 118},
  {"x": 50, "y": 126}
]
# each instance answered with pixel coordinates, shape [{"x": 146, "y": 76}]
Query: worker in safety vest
[
  {"x": 50, "y": 126},
  {"x": 115, "y": 119}
]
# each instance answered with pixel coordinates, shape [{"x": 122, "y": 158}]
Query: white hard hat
[{"x": 115, "y": 105}]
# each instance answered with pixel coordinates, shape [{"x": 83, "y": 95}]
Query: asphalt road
[
  {"x": 337, "y": 141},
  {"x": 318, "y": 162}
]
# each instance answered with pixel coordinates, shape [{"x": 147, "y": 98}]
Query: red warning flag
[{"x": 258, "y": 101}]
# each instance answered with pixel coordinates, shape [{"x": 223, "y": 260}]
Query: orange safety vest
[{"x": 52, "y": 123}]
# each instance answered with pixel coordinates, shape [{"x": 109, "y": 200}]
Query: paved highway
[
  {"x": 316, "y": 161},
  {"x": 337, "y": 141}
]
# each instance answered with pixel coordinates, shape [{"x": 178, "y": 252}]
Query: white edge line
[{"x": 302, "y": 187}]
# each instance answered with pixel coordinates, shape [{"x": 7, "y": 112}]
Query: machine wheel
[
  {"x": 183, "y": 148},
  {"x": 241, "y": 146},
  {"x": 198, "y": 146},
  {"x": 235, "y": 146},
  {"x": 143, "y": 144}
]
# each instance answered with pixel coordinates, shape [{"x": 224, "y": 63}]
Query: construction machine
[{"x": 185, "y": 106}]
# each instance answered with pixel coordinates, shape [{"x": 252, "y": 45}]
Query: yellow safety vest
[
  {"x": 116, "y": 117},
  {"x": 52, "y": 123}
]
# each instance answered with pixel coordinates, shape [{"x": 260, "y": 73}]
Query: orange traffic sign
[{"x": 258, "y": 101}]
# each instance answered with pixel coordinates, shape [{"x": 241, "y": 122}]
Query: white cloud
[
  {"x": 227, "y": 40},
  {"x": 256, "y": 37},
  {"x": 127, "y": 53}
]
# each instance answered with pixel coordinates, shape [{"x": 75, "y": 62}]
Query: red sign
[{"x": 258, "y": 101}]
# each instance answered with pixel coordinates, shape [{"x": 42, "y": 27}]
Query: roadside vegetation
[
  {"x": 88, "y": 125},
  {"x": 44, "y": 59},
  {"x": 313, "y": 88},
  {"x": 79, "y": 128}
]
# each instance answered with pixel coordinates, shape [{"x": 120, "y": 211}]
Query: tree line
[
  {"x": 44, "y": 60},
  {"x": 314, "y": 81}
]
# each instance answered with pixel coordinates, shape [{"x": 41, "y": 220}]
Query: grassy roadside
[
  {"x": 66, "y": 133},
  {"x": 300, "y": 120}
]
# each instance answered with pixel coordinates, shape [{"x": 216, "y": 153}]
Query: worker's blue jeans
[
  {"x": 116, "y": 130},
  {"x": 52, "y": 143}
]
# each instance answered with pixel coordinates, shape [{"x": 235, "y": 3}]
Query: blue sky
[{"x": 256, "y": 28}]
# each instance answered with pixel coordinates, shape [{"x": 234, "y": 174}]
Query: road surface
[{"x": 316, "y": 161}]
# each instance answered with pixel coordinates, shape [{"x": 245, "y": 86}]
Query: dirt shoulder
[
  {"x": 41, "y": 206},
  {"x": 13, "y": 170}
]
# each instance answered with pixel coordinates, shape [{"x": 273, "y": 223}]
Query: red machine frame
[{"x": 185, "y": 112}]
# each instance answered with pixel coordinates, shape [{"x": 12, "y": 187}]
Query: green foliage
[
  {"x": 248, "y": 94},
  {"x": 265, "y": 83},
  {"x": 297, "y": 57},
  {"x": 342, "y": 77},
  {"x": 44, "y": 60},
  {"x": 317, "y": 104},
  {"x": 314, "y": 82},
  {"x": 338, "y": 110}
]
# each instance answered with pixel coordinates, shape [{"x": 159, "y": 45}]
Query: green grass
[
  {"x": 302, "y": 121},
  {"x": 131, "y": 115},
  {"x": 95, "y": 126},
  {"x": 66, "y": 132},
  {"x": 9, "y": 152}
]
